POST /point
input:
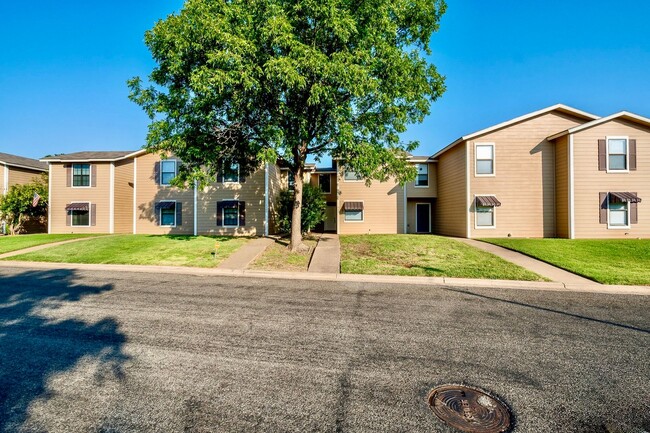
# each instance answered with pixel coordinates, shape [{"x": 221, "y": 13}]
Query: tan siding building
[
  {"x": 452, "y": 212},
  {"x": 18, "y": 170}
]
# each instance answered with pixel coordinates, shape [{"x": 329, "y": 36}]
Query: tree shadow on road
[{"x": 35, "y": 344}]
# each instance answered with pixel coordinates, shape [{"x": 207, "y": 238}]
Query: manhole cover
[{"x": 469, "y": 409}]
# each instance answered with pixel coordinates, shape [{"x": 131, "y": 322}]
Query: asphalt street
[{"x": 132, "y": 352}]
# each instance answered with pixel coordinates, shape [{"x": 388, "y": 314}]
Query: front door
[
  {"x": 423, "y": 218},
  {"x": 330, "y": 218}
]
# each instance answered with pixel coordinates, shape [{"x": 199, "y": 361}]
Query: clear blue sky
[{"x": 63, "y": 67}]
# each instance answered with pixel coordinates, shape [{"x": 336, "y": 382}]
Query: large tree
[
  {"x": 251, "y": 81},
  {"x": 23, "y": 202}
]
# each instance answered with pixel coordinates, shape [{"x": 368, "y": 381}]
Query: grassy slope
[
  {"x": 278, "y": 258},
  {"x": 424, "y": 256},
  {"x": 15, "y": 243},
  {"x": 625, "y": 261},
  {"x": 142, "y": 250}
]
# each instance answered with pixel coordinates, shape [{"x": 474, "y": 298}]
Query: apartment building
[{"x": 17, "y": 170}]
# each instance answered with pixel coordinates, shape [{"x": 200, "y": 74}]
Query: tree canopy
[
  {"x": 16, "y": 207},
  {"x": 248, "y": 81}
]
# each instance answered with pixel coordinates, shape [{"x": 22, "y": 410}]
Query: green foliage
[
  {"x": 312, "y": 211},
  {"x": 16, "y": 206}
]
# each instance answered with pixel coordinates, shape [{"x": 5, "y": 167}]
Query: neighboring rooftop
[
  {"x": 112, "y": 155},
  {"x": 624, "y": 115},
  {"x": 22, "y": 162}
]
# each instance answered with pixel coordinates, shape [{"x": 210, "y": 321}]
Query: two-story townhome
[
  {"x": 131, "y": 192},
  {"x": 18, "y": 170}
]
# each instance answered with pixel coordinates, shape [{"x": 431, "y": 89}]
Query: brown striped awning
[
  {"x": 77, "y": 206},
  {"x": 622, "y": 197},
  {"x": 487, "y": 200},
  {"x": 353, "y": 205}
]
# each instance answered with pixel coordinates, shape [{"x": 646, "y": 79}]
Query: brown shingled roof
[
  {"x": 91, "y": 156},
  {"x": 20, "y": 161}
]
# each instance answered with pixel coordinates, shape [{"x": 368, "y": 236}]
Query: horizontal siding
[
  {"x": 21, "y": 176},
  {"x": 123, "y": 188},
  {"x": 451, "y": 210},
  {"x": 413, "y": 191},
  {"x": 589, "y": 181},
  {"x": 3, "y": 187},
  {"x": 562, "y": 187}
]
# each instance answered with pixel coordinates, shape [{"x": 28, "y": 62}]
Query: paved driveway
[{"x": 102, "y": 352}]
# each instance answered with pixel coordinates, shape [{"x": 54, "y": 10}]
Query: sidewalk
[
  {"x": 327, "y": 255},
  {"x": 241, "y": 258},
  {"x": 544, "y": 269}
]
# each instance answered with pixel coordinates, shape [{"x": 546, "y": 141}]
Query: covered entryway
[{"x": 423, "y": 217}]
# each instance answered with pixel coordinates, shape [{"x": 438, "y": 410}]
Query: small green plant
[
  {"x": 24, "y": 202},
  {"x": 312, "y": 212}
]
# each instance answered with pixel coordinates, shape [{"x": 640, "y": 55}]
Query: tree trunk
[{"x": 296, "y": 244}]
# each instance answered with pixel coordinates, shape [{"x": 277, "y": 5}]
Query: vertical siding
[
  {"x": 149, "y": 192},
  {"x": 562, "y": 187},
  {"x": 589, "y": 181},
  {"x": 62, "y": 195},
  {"x": 380, "y": 206},
  {"x": 430, "y": 191},
  {"x": 451, "y": 210},
  {"x": 123, "y": 190},
  {"x": 525, "y": 177}
]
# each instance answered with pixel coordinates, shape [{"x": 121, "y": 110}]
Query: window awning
[
  {"x": 622, "y": 197},
  {"x": 165, "y": 204},
  {"x": 77, "y": 206},
  {"x": 487, "y": 200},
  {"x": 353, "y": 205}
]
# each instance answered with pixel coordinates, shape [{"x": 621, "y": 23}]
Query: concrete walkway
[
  {"x": 327, "y": 255},
  {"x": 541, "y": 268},
  {"x": 241, "y": 258},
  {"x": 43, "y": 246}
]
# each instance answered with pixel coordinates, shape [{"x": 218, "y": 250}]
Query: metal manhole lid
[{"x": 469, "y": 409}]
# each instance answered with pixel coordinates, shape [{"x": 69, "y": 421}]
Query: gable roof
[
  {"x": 626, "y": 115},
  {"x": 22, "y": 162},
  {"x": 557, "y": 107},
  {"x": 92, "y": 156}
]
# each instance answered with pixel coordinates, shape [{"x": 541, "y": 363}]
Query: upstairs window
[
  {"x": 167, "y": 171},
  {"x": 231, "y": 173},
  {"x": 324, "y": 181},
  {"x": 80, "y": 175},
  {"x": 617, "y": 154},
  {"x": 423, "y": 175},
  {"x": 485, "y": 159},
  {"x": 351, "y": 176}
]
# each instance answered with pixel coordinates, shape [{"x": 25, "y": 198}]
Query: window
[
  {"x": 324, "y": 181},
  {"x": 351, "y": 176},
  {"x": 423, "y": 175},
  {"x": 168, "y": 213},
  {"x": 80, "y": 217},
  {"x": 618, "y": 214},
  {"x": 230, "y": 217},
  {"x": 354, "y": 215},
  {"x": 484, "y": 216},
  {"x": 167, "y": 171},
  {"x": 291, "y": 181},
  {"x": 484, "y": 159},
  {"x": 80, "y": 175},
  {"x": 231, "y": 173},
  {"x": 617, "y": 154}
]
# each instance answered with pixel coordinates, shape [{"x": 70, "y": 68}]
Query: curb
[{"x": 353, "y": 278}]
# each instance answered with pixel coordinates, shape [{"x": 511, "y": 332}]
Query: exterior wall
[
  {"x": 589, "y": 181},
  {"x": 123, "y": 198},
  {"x": 251, "y": 191},
  {"x": 412, "y": 214},
  {"x": 430, "y": 191},
  {"x": 451, "y": 209},
  {"x": 401, "y": 194},
  {"x": 61, "y": 195},
  {"x": 148, "y": 192},
  {"x": 314, "y": 181},
  {"x": 380, "y": 206},
  {"x": 3, "y": 187},
  {"x": 275, "y": 186},
  {"x": 524, "y": 180},
  {"x": 562, "y": 187},
  {"x": 19, "y": 176}
]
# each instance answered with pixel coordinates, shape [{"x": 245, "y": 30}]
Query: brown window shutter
[
  {"x": 219, "y": 214},
  {"x": 242, "y": 213},
  {"x": 93, "y": 175},
  {"x": 179, "y": 214},
  {"x": 634, "y": 211},
  {"x": 603, "y": 207},
  {"x": 156, "y": 213},
  {"x": 602, "y": 155},
  {"x": 93, "y": 215},
  {"x": 156, "y": 172},
  {"x": 68, "y": 175},
  {"x": 68, "y": 217},
  {"x": 220, "y": 176},
  {"x": 632, "y": 150}
]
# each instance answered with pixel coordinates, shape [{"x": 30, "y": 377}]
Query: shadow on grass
[
  {"x": 34, "y": 347},
  {"x": 191, "y": 237}
]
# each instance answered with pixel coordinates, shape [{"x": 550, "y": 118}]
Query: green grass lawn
[
  {"x": 142, "y": 250},
  {"x": 19, "y": 242},
  {"x": 424, "y": 255},
  {"x": 625, "y": 261},
  {"x": 277, "y": 257}
]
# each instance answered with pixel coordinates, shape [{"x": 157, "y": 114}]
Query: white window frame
[
  {"x": 428, "y": 179},
  {"x": 162, "y": 171},
  {"x": 627, "y": 212},
  {"x": 231, "y": 181},
  {"x": 160, "y": 213},
  {"x": 416, "y": 217},
  {"x": 90, "y": 214},
  {"x": 90, "y": 177},
  {"x": 319, "y": 184},
  {"x": 627, "y": 153},
  {"x": 345, "y": 171},
  {"x": 494, "y": 215},
  {"x": 494, "y": 160},
  {"x": 363, "y": 213},
  {"x": 223, "y": 214}
]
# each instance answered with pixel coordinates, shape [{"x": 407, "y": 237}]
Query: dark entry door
[{"x": 422, "y": 217}]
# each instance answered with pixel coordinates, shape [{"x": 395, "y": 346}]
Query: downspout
[
  {"x": 49, "y": 197},
  {"x": 468, "y": 203},
  {"x": 572, "y": 219},
  {"x": 5, "y": 186},
  {"x": 135, "y": 194},
  {"x": 111, "y": 200},
  {"x": 196, "y": 214},
  {"x": 266, "y": 199}
]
